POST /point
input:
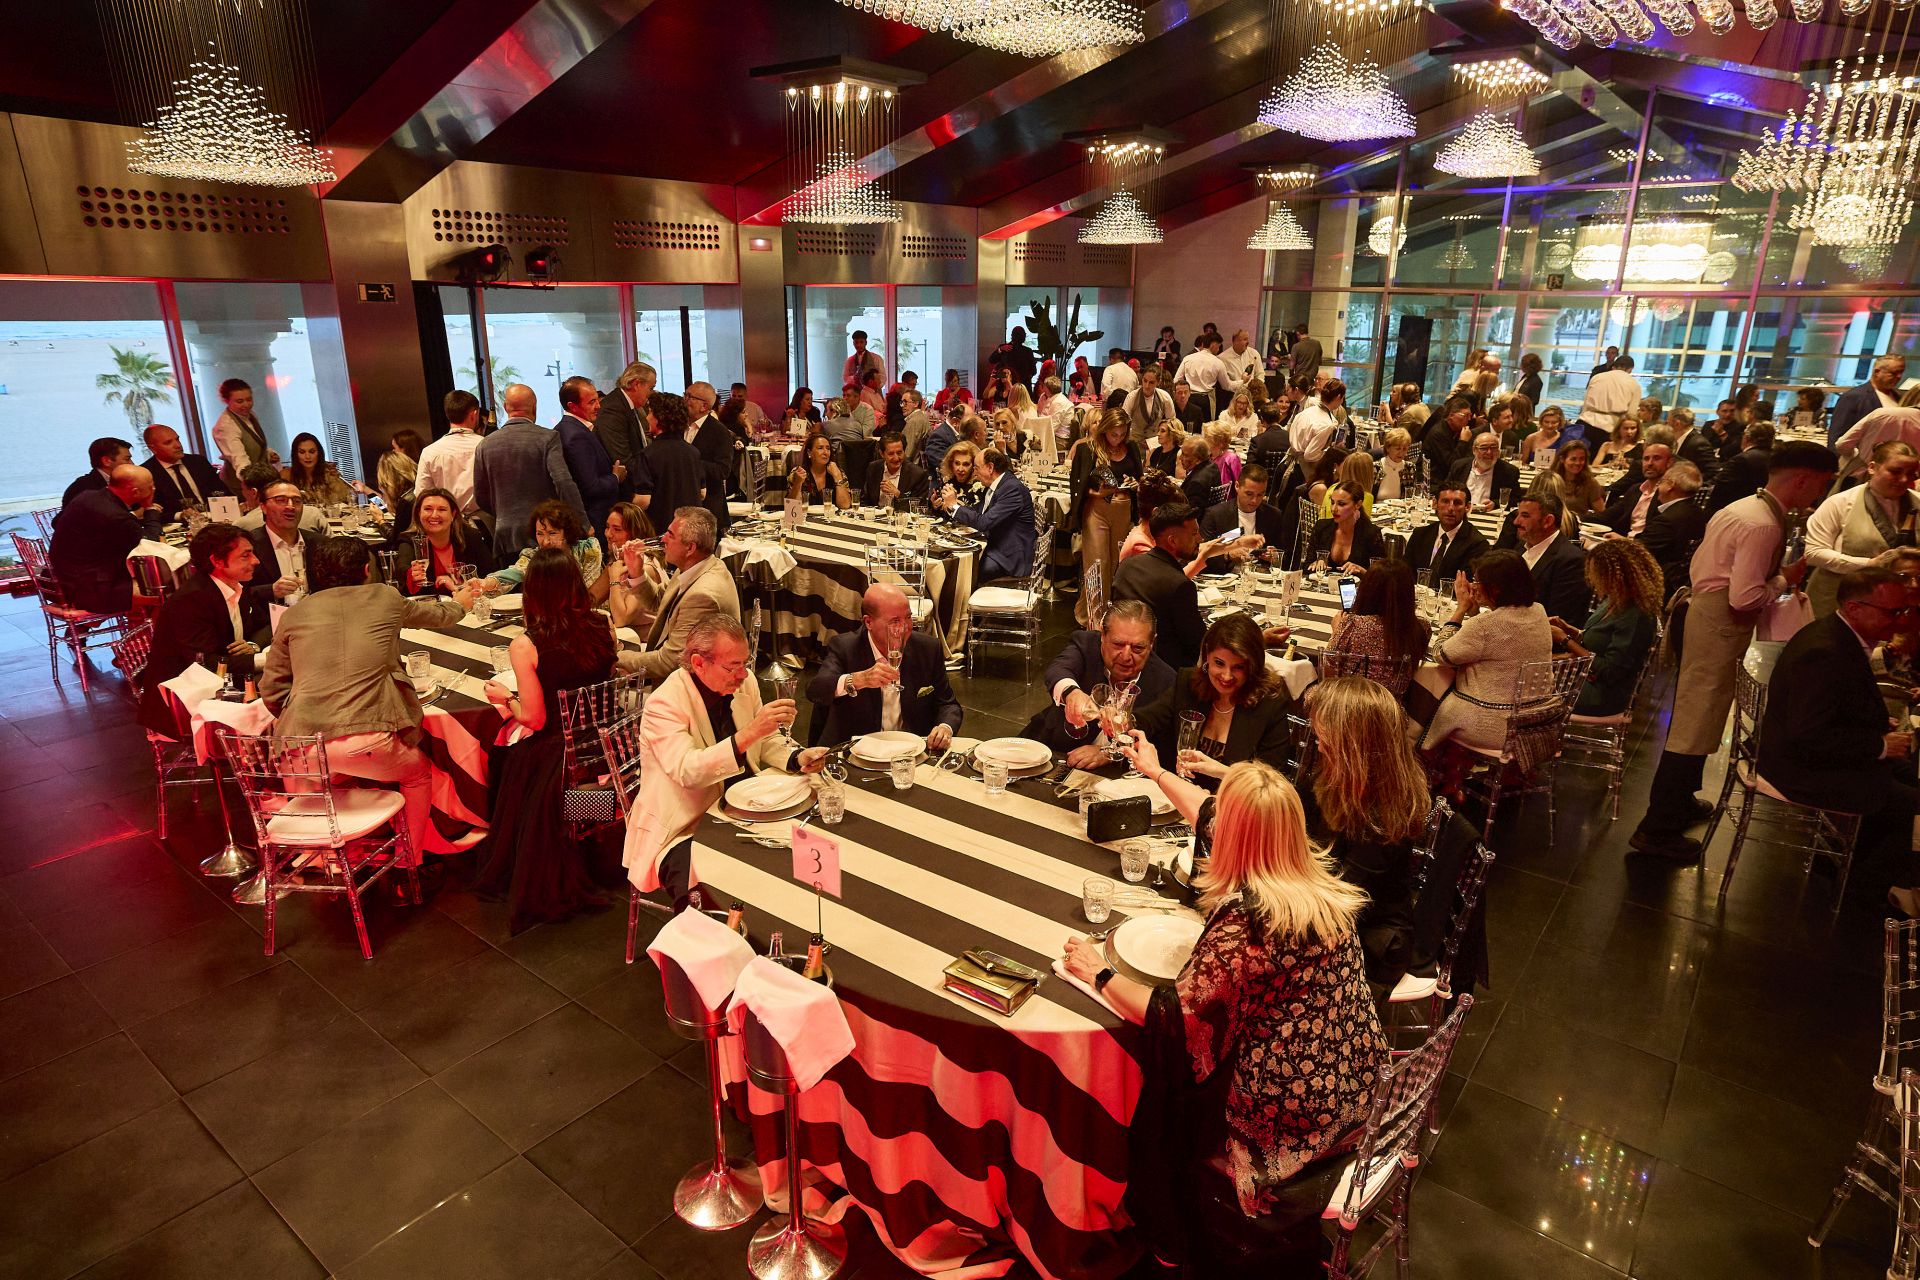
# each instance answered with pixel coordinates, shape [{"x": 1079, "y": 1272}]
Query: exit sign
[{"x": 378, "y": 293}]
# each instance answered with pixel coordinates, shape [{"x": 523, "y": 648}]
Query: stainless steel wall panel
[
  {"x": 1052, "y": 254},
  {"x": 931, "y": 245},
  {"x": 379, "y": 342},
  {"x": 20, "y": 252}
]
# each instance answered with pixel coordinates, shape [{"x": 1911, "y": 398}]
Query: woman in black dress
[
  {"x": 1242, "y": 708},
  {"x": 528, "y": 857},
  {"x": 1347, "y": 540}
]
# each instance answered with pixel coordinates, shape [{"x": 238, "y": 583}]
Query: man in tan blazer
[
  {"x": 702, "y": 588},
  {"x": 703, "y": 725}
]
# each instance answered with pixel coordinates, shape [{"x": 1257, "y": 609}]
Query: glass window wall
[
  {"x": 829, "y": 316},
  {"x": 918, "y": 318},
  {"x": 542, "y": 337},
  {"x": 258, "y": 333},
  {"x": 670, "y": 332},
  {"x": 1020, "y": 301}
]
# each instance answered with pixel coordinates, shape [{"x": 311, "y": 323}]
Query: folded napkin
[
  {"x": 760, "y": 551},
  {"x": 249, "y": 718},
  {"x": 1211, "y": 597},
  {"x": 711, "y": 954},
  {"x": 193, "y": 686},
  {"x": 1061, "y": 972},
  {"x": 1297, "y": 673},
  {"x": 803, "y": 1016},
  {"x": 175, "y": 558}
]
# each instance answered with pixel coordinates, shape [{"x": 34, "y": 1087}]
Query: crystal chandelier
[
  {"x": 1031, "y": 29},
  {"x": 831, "y": 129},
  {"x": 1289, "y": 178},
  {"x": 1281, "y": 231},
  {"x": 1457, "y": 257},
  {"x": 1501, "y": 78},
  {"x": 1124, "y": 167},
  {"x": 223, "y": 90},
  {"x": 1121, "y": 220},
  {"x": 1607, "y": 22},
  {"x": 1489, "y": 147},
  {"x": 1675, "y": 250},
  {"x": 1331, "y": 99}
]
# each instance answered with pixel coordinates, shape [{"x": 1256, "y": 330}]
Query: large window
[
  {"x": 541, "y": 337},
  {"x": 920, "y": 347},
  {"x": 456, "y": 311},
  {"x": 1021, "y": 299},
  {"x": 257, "y": 333},
  {"x": 828, "y": 316},
  {"x": 670, "y": 332},
  {"x": 77, "y": 361}
]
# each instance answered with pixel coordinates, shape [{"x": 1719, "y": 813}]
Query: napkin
[
  {"x": 802, "y": 1015},
  {"x": 175, "y": 558},
  {"x": 1211, "y": 597},
  {"x": 1297, "y": 673},
  {"x": 711, "y": 954},
  {"x": 193, "y": 686},
  {"x": 1061, "y": 972},
  {"x": 758, "y": 551},
  {"x": 249, "y": 718}
]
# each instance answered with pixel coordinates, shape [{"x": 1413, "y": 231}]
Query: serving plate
[
  {"x": 1152, "y": 949},
  {"x": 768, "y": 793}
]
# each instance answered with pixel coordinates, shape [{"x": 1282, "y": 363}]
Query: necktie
[
  {"x": 1440, "y": 545},
  {"x": 186, "y": 486}
]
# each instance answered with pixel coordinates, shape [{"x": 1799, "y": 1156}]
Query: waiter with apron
[
  {"x": 1737, "y": 574},
  {"x": 1857, "y": 524}
]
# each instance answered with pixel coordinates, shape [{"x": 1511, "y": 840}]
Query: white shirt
[
  {"x": 1480, "y": 484},
  {"x": 1245, "y": 364},
  {"x": 447, "y": 464},
  {"x": 987, "y": 498},
  {"x": 693, "y": 428},
  {"x": 1390, "y": 472},
  {"x": 1204, "y": 371},
  {"x": 1312, "y": 431},
  {"x": 1609, "y": 395},
  {"x": 1828, "y": 523},
  {"x": 292, "y": 559},
  {"x": 1246, "y": 519},
  {"x": 889, "y": 692},
  {"x": 1533, "y": 553},
  {"x": 231, "y": 594},
  {"x": 183, "y": 481},
  {"x": 1118, "y": 377}
]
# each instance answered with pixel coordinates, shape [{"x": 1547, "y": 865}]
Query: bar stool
[
  {"x": 718, "y": 1193},
  {"x": 801, "y": 1248}
]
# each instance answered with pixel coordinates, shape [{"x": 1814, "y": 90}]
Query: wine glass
[
  {"x": 1099, "y": 693},
  {"x": 1117, "y": 719}
]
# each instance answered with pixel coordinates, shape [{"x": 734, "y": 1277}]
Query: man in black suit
[
  {"x": 1451, "y": 542},
  {"x": 1674, "y": 526},
  {"x": 715, "y": 444},
  {"x": 1880, "y": 391},
  {"x": 1203, "y": 474},
  {"x": 670, "y": 475},
  {"x": 1486, "y": 475},
  {"x": 1613, "y": 354},
  {"x": 1246, "y": 511},
  {"x": 1158, "y": 579},
  {"x": 211, "y": 619},
  {"x": 859, "y": 691},
  {"x": 1630, "y": 500},
  {"x": 1558, "y": 562},
  {"x": 281, "y": 546},
  {"x": 1269, "y": 447},
  {"x": 95, "y": 533},
  {"x": 1743, "y": 474},
  {"x": 1448, "y": 435},
  {"x": 1693, "y": 444},
  {"x": 1826, "y": 740},
  {"x": 1003, "y": 516},
  {"x": 106, "y": 453},
  {"x": 621, "y": 423},
  {"x": 1121, "y": 652},
  {"x": 892, "y": 480},
  {"x": 180, "y": 479}
]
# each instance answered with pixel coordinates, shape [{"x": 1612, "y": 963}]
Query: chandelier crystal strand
[
  {"x": 1502, "y": 78},
  {"x": 1281, "y": 231},
  {"x": 1333, "y": 100},
  {"x": 1545, "y": 19},
  {"x": 219, "y": 129},
  {"x": 1761, "y": 14},
  {"x": 1029, "y": 28},
  {"x": 831, "y": 130},
  {"x": 1489, "y": 147},
  {"x": 1124, "y": 167}
]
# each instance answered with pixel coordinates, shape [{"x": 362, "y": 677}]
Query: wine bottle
[
  {"x": 737, "y": 918},
  {"x": 816, "y": 967}
]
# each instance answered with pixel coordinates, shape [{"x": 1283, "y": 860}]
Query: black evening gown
[{"x": 528, "y": 857}]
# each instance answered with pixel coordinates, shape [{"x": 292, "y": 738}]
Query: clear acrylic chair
[
  {"x": 1309, "y": 516},
  {"x": 175, "y": 763},
  {"x": 76, "y": 628},
  {"x": 620, "y": 741},
  {"x": 314, "y": 838},
  {"x": 904, "y": 565},
  {"x": 801, "y": 1248},
  {"x": 1600, "y": 742},
  {"x": 1395, "y": 674},
  {"x": 1882, "y": 1163},
  {"x": 588, "y": 803},
  {"x": 1816, "y": 832},
  {"x": 719, "y": 1192},
  {"x": 1906, "y": 1224},
  {"x": 1378, "y": 1186},
  {"x": 1009, "y": 617},
  {"x": 1435, "y": 990},
  {"x": 1525, "y": 764},
  {"x": 43, "y": 521}
]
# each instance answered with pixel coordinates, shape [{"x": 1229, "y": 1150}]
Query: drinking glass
[
  {"x": 500, "y": 658},
  {"x": 1134, "y": 855},
  {"x": 1099, "y": 694},
  {"x": 833, "y": 801},
  {"x": 994, "y": 774},
  {"x": 1096, "y": 899},
  {"x": 419, "y": 664},
  {"x": 420, "y": 570},
  {"x": 786, "y": 688},
  {"x": 1506, "y": 499},
  {"x": 1424, "y": 579},
  {"x": 1191, "y": 724},
  {"x": 901, "y": 770},
  {"x": 482, "y": 609},
  {"x": 462, "y": 574},
  {"x": 1086, "y": 799}
]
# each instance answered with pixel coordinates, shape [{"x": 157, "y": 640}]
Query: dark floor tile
[
  {"x": 353, "y": 1188},
  {"x": 1453, "y": 1236},
  {"x": 1696, "y": 1229},
  {"x": 131, "y": 915},
  {"x": 27, "y": 960},
  {"x": 236, "y": 1234},
  {"x": 546, "y": 1075},
  {"x": 94, "y": 1200},
  {"x": 1821, "y": 1058},
  {"x": 626, "y": 1265},
  {"x": 1519, "y": 904},
  {"x": 412, "y": 948},
  {"x": 86, "y": 878},
  {"x": 30, "y": 772},
  {"x": 1757, "y": 1145},
  {"x": 204, "y": 1039},
  {"x": 122, "y": 745},
  {"x": 511, "y": 1224},
  {"x": 92, "y": 720},
  {"x": 487, "y": 921},
  {"x": 1576, "y": 1076},
  {"x": 1482, "y": 1021},
  {"x": 1574, "y": 1185},
  {"x": 279, "y": 1103},
  {"x": 633, "y": 1001},
  {"x": 1595, "y": 920},
  {"x": 47, "y": 1021},
  {"x": 468, "y": 1007},
  {"x": 1641, "y": 1000},
  {"x": 126, "y": 786},
  {"x": 138, "y": 984},
  {"x": 65, "y": 1102},
  {"x": 675, "y": 1249},
  {"x": 664, "y": 1114},
  {"x": 45, "y": 833},
  {"x": 577, "y": 954}
]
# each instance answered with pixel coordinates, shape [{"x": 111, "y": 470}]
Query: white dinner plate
[
  {"x": 426, "y": 689},
  {"x": 1122, "y": 788},
  {"x": 767, "y": 793},
  {"x": 506, "y": 604},
  {"x": 1016, "y": 753},
  {"x": 888, "y": 745},
  {"x": 1153, "y": 948}
]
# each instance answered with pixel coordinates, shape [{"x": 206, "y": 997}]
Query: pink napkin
[
  {"x": 803, "y": 1016},
  {"x": 711, "y": 954}
]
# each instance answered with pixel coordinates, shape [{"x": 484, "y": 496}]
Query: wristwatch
[{"x": 1102, "y": 978}]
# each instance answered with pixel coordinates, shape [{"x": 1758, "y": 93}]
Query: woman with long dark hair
[
  {"x": 1242, "y": 709},
  {"x": 318, "y": 480},
  {"x": 818, "y": 481},
  {"x": 1346, "y": 539},
  {"x": 527, "y": 857},
  {"x": 1384, "y": 625},
  {"x": 449, "y": 540}
]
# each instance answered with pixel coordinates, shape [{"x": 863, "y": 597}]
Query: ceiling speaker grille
[
  {"x": 1039, "y": 251},
  {"x": 944, "y": 248},
  {"x": 1105, "y": 255},
  {"x": 672, "y": 237},
  {"x": 492, "y": 226},
  {"x": 836, "y": 242},
  {"x": 138, "y": 209}
]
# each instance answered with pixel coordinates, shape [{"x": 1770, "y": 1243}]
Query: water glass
[
  {"x": 1086, "y": 802},
  {"x": 482, "y": 609},
  {"x": 994, "y": 774},
  {"x": 419, "y": 664},
  {"x": 500, "y": 658},
  {"x": 1506, "y": 499},
  {"x": 786, "y": 688},
  {"x": 1134, "y": 855},
  {"x": 901, "y": 770},
  {"x": 833, "y": 801},
  {"x": 1096, "y": 899},
  {"x": 1191, "y": 725}
]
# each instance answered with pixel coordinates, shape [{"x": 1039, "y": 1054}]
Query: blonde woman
[
  {"x": 1394, "y": 473},
  {"x": 956, "y": 469},
  {"x": 1101, "y": 506},
  {"x": 1166, "y": 452},
  {"x": 1240, "y": 419},
  {"x": 1623, "y": 447},
  {"x": 1547, "y": 436},
  {"x": 1277, "y": 979},
  {"x": 1219, "y": 438},
  {"x": 1357, "y": 470}
]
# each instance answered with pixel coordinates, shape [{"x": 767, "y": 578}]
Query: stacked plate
[
  {"x": 769, "y": 796},
  {"x": 878, "y": 750},
  {"x": 506, "y": 604},
  {"x": 1020, "y": 755},
  {"x": 1153, "y": 949},
  {"x": 1122, "y": 788}
]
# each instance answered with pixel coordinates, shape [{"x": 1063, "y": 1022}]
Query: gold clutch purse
[{"x": 990, "y": 979}]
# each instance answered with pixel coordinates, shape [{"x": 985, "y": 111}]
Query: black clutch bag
[{"x": 1109, "y": 820}]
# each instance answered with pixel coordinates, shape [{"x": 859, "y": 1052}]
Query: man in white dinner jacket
[{"x": 704, "y": 725}]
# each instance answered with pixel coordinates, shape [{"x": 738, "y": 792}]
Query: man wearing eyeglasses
[
  {"x": 1486, "y": 474},
  {"x": 1826, "y": 740},
  {"x": 714, "y": 443}
]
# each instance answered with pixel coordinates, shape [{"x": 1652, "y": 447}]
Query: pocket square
[{"x": 926, "y": 691}]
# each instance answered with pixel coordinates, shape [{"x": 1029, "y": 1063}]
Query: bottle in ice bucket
[
  {"x": 737, "y": 917},
  {"x": 252, "y": 693},
  {"x": 816, "y": 968}
]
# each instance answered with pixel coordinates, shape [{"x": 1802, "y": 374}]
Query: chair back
[
  {"x": 1676, "y": 604},
  {"x": 131, "y": 653},
  {"x": 1703, "y": 496},
  {"x": 1300, "y": 748},
  {"x": 1466, "y": 896},
  {"x": 767, "y": 1064},
  {"x": 152, "y": 576},
  {"x": 620, "y": 744},
  {"x": 1906, "y": 1225},
  {"x": 1900, "y": 1002},
  {"x": 687, "y": 1013},
  {"x": 1749, "y": 709},
  {"x": 855, "y": 457},
  {"x": 1394, "y": 673},
  {"x": 582, "y": 713},
  {"x": 282, "y": 777},
  {"x": 1094, "y": 591},
  {"x": 1570, "y": 676},
  {"x": 43, "y": 520},
  {"x": 1042, "y": 560},
  {"x": 1543, "y": 696},
  {"x": 1309, "y": 516},
  {"x": 1437, "y": 819},
  {"x": 1390, "y": 1143},
  {"x": 33, "y": 554},
  {"x": 904, "y": 564}
]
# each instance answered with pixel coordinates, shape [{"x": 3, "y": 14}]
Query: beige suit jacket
[{"x": 693, "y": 594}]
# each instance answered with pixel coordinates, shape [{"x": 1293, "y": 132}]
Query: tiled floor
[{"x": 1651, "y": 1086}]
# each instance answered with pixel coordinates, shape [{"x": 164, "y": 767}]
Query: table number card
[{"x": 816, "y": 859}]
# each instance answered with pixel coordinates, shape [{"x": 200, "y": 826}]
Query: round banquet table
[{"x": 973, "y": 1141}]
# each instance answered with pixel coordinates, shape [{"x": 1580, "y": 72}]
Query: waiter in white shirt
[
  {"x": 1118, "y": 375},
  {"x": 1609, "y": 394},
  {"x": 1208, "y": 374},
  {"x": 1242, "y": 358},
  {"x": 447, "y": 463}
]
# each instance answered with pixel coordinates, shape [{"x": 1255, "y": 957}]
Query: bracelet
[{"x": 1102, "y": 978}]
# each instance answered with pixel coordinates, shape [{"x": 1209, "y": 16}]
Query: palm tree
[
  {"x": 137, "y": 382},
  {"x": 500, "y": 376}
]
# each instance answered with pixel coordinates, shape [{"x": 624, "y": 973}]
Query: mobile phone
[
  {"x": 1225, "y": 538},
  {"x": 1349, "y": 585}
]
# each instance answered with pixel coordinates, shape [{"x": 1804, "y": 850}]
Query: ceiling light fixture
[
  {"x": 1291, "y": 178},
  {"x": 1030, "y": 29},
  {"x": 1502, "y": 78},
  {"x": 1489, "y": 147},
  {"x": 1608, "y": 22},
  {"x": 831, "y": 127},
  {"x": 1331, "y": 99},
  {"x": 1124, "y": 167},
  {"x": 1281, "y": 231}
]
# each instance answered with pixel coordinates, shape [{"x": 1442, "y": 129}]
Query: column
[
  {"x": 596, "y": 350},
  {"x": 224, "y": 349}
]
